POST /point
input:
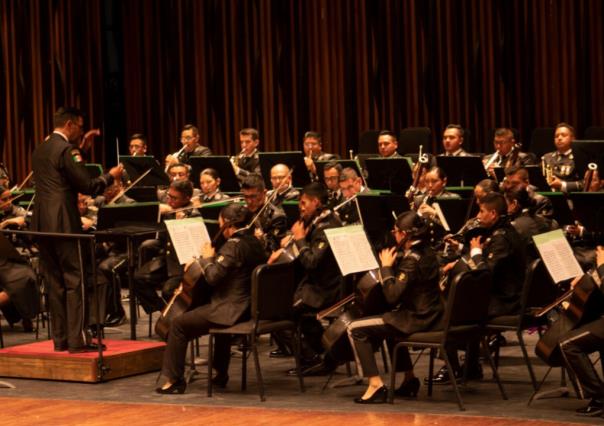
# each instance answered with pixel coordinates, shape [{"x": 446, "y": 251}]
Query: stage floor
[{"x": 133, "y": 400}]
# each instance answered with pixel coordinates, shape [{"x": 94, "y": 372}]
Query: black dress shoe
[
  {"x": 60, "y": 347},
  {"x": 408, "y": 388},
  {"x": 442, "y": 377},
  {"x": 305, "y": 364},
  {"x": 279, "y": 353},
  {"x": 178, "y": 387},
  {"x": 84, "y": 349},
  {"x": 220, "y": 380},
  {"x": 474, "y": 373},
  {"x": 379, "y": 397},
  {"x": 593, "y": 409},
  {"x": 114, "y": 320}
]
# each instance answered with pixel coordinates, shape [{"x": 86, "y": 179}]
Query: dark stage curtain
[{"x": 286, "y": 66}]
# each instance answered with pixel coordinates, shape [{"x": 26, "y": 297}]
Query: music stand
[
  {"x": 320, "y": 165},
  {"x": 143, "y": 193},
  {"x": 455, "y": 211},
  {"x": 292, "y": 159},
  {"x": 139, "y": 164},
  {"x": 562, "y": 212},
  {"x": 589, "y": 210},
  {"x": 376, "y": 212},
  {"x": 223, "y": 166},
  {"x": 587, "y": 151},
  {"x": 118, "y": 215},
  {"x": 94, "y": 170},
  {"x": 390, "y": 174},
  {"x": 536, "y": 178},
  {"x": 462, "y": 171}
]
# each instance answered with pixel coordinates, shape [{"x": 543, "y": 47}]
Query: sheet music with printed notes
[
  {"x": 351, "y": 249},
  {"x": 188, "y": 236},
  {"x": 557, "y": 255}
]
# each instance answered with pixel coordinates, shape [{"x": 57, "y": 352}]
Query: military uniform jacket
[
  {"x": 563, "y": 167},
  {"x": 199, "y": 151},
  {"x": 321, "y": 285},
  {"x": 60, "y": 174},
  {"x": 504, "y": 255},
  {"x": 215, "y": 196},
  {"x": 229, "y": 274},
  {"x": 273, "y": 222},
  {"x": 290, "y": 194},
  {"x": 248, "y": 164},
  {"x": 512, "y": 159},
  {"x": 411, "y": 285}
]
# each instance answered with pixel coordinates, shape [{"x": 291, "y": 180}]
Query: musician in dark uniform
[
  {"x": 577, "y": 344},
  {"x": 281, "y": 180},
  {"x": 271, "y": 225},
  {"x": 452, "y": 142},
  {"x": 189, "y": 137},
  {"x": 559, "y": 165},
  {"x": 60, "y": 174},
  {"x": 331, "y": 178},
  {"x": 410, "y": 284},
  {"x": 350, "y": 184},
  {"x": 507, "y": 152},
  {"x": 518, "y": 177},
  {"x": 228, "y": 273},
  {"x": 209, "y": 182},
  {"x": 321, "y": 285},
  {"x": 313, "y": 151},
  {"x": 388, "y": 145},
  {"x": 247, "y": 162}
]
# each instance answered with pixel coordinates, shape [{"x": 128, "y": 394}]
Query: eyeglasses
[{"x": 331, "y": 178}]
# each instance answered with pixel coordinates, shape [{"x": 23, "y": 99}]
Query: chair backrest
[
  {"x": 539, "y": 289},
  {"x": 273, "y": 288},
  {"x": 368, "y": 142},
  {"x": 594, "y": 133},
  {"x": 468, "y": 299},
  {"x": 412, "y": 137},
  {"x": 542, "y": 141}
]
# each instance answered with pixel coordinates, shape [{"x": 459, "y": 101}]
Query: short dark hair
[
  {"x": 315, "y": 190},
  {"x": 488, "y": 186},
  {"x": 495, "y": 201},
  {"x": 236, "y": 215},
  {"x": 186, "y": 166},
  {"x": 313, "y": 134},
  {"x": 64, "y": 114},
  {"x": 190, "y": 127},
  {"x": 568, "y": 126},
  {"x": 440, "y": 172},
  {"x": 332, "y": 165},
  {"x": 504, "y": 131},
  {"x": 456, "y": 126},
  {"x": 520, "y": 195},
  {"x": 253, "y": 181},
  {"x": 249, "y": 131},
  {"x": 411, "y": 223},
  {"x": 388, "y": 133},
  {"x": 520, "y": 170},
  {"x": 348, "y": 173},
  {"x": 138, "y": 136},
  {"x": 185, "y": 187},
  {"x": 210, "y": 172}
]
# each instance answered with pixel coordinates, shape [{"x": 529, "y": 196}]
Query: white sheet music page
[
  {"x": 351, "y": 249},
  {"x": 188, "y": 236},
  {"x": 557, "y": 255}
]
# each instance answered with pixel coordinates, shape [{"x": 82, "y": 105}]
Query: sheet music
[
  {"x": 441, "y": 216},
  {"x": 351, "y": 249},
  {"x": 188, "y": 236},
  {"x": 557, "y": 255}
]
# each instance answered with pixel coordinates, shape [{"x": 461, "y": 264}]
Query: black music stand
[
  {"x": 562, "y": 211},
  {"x": 320, "y": 165},
  {"x": 223, "y": 166},
  {"x": 292, "y": 159},
  {"x": 143, "y": 193},
  {"x": 376, "y": 213},
  {"x": 137, "y": 165},
  {"x": 129, "y": 221},
  {"x": 389, "y": 174},
  {"x": 536, "y": 178},
  {"x": 589, "y": 210},
  {"x": 455, "y": 211},
  {"x": 94, "y": 170},
  {"x": 462, "y": 171}
]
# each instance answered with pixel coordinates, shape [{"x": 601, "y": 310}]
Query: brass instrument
[
  {"x": 175, "y": 155},
  {"x": 547, "y": 171},
  {"x": 422, "y": 161},
  {"x": 496, "y": 157},
  {"x": 592, "y": 168}
]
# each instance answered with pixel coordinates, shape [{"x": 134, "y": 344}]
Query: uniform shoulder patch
[
  {"x": 220, "y": 259},
  {"x": 401, "y": 276},
  {"x": 76, "y": 155}
]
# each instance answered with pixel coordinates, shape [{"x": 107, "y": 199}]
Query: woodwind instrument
[
  {"x": 422, "y": 162},
  {"x": 496, "y": 157},
  {"x": 175, "y": 155},
  {"x": 210, "y": 204},
  {"x": 592, "y": 168}
]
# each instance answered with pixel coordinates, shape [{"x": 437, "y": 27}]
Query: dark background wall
[{"x": 286, "y": 66}]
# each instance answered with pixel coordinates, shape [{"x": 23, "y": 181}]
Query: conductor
[{"x": 60, "y": 174}]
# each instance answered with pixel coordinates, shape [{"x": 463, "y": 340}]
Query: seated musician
[
  {"x": 388, "y": 145},
  {"x": 248, "y": 161},
  {"x": 559, "y": 166},
  {"x": 228, "y": 273},
  {"x": 331, "y": 177},
  {"x": 452, "y": 141},
  {"x": 518, "y": 177},
  {"x": 507, "y": 152},
  {"x": 351, "y": 184},
  {"x": 189, "y": 138},
  {"x": 10, "y": 215},
  {"x": 321, "y": 285},
  {"x": 281, "y": 180},
  {"x": 410, "y": 285},
  {"x": 313, "y": 151},
  {"x": 209, "y": 182},
  {"x": 577, "y": 344},
  {"x": 503, "y": 253},
  {"x": 137, "y": 144},
  {"x": 177, "y": 171},
  {"x": 164, "y": 266},
  {"x": 271, "y": 225}
]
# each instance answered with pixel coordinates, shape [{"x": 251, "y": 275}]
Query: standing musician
[
  {"x": 507, "y": 152},
  {"x": 410, "y": 284},
  {"x": 189, "y": 137},
  {"x": 322, "y": 283},
  {"x": 281, "y": 180},
  {"x": 577, "y": 344},
  {"x": 248, "y": 161},
  {"x": 313, "y": 151},
  {"x": 559, "y": 166},
  {"x": 228, "y": 273},
  {"x": 60, "y": 174}
]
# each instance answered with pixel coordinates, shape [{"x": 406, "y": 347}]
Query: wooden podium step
[{"x": 122, "y": 358}]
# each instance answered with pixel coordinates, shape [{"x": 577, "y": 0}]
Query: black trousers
[
  {"x": 366, "y": 335},
  {"x": 189, "y": 325},
  {"x": 19, "y": 282},
  {"x": 576, "y": 347}
]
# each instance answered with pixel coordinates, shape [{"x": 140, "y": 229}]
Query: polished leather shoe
[
  {"x": 177, "y": 387},
  {"x": 380, "y": 396},
  {"x": 441, "y": 377},
  {"x": 305, "y": 364},
  {"x": 115, "y": 320},
  {"x": 61, "y": 348},
  {"x": 408, "y": 388},
  {"x": 220, "y": 380},
  {"x": 279, "y": 353},
  {"x": 496, "y": 341},
  {"x": 593, "y": 409},
  {"x": 84, "y": 349}
]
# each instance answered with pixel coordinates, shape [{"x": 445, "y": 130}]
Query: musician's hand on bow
[
  {"x": 274, "y": 256},
  {"x": 599, "y": 256},
  {"x": 88, "y": 138},
  {"x": 476, "y": 243},
  {"x": 207, "y": 251},
  {"x": 258, "y": 233},
  {"x": 299, "y": 231},
  {"x": 116, "y": 172},
  {"x": 388, "y": 256},
  {"x": 188, "y": 264}
]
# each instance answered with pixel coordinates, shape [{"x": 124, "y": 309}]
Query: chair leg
[
  {"x": 431, "y": 370},
  {"x": 1, "y": 335},
  {"x": 244, "y": 365},
  {"x": 485, "y": 347},
  {"x": 453, "y": 381},
  {"x": 297, "y": 351},
  {"x": 527, "y": 360},
  {"x": 392, "y": 375},
  {"x": 385, "y": 356},
  {"x": 210, "y": 362},
  {"x": 257, "y": 365}
]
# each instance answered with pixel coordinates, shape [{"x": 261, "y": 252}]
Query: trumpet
[{"x": 547, "y": 171}]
